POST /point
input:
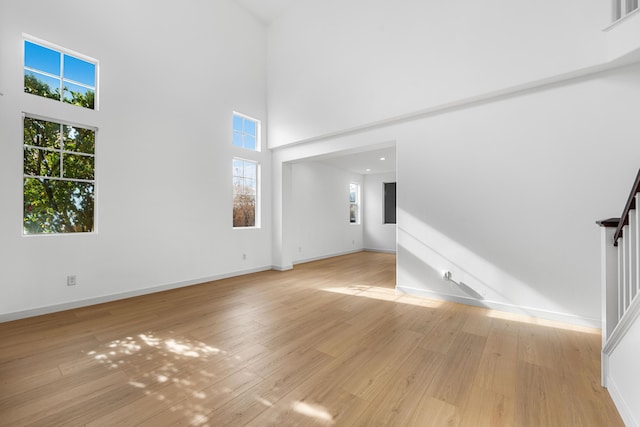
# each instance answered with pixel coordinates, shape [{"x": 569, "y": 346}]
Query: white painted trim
[
  {"x": 384, "y": 251},
  {"x": 7, "y": 317},
  {"x": 318, "y": 258},
  {"x": 621, "y": 329},
  {"x": 621, "y": 405},
  {"x": 621, "y": 20},
  {"x": 282, "y": 267},
  {"x": 464, "y": 103},
  {"x": 509, "y": 308}
]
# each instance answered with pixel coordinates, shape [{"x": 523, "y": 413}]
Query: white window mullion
[
  {"x": 44, "y": 73},
  {"x": 61, "y": 77},
  {"x": 61, "y": 150},
  {"x": 55, "y": 178}
]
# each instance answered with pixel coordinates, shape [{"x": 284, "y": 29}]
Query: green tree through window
[
  {"x": 57, "y": 75},
  {"x": 59, "y": 177}
]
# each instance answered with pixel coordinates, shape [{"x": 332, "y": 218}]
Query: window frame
[
  {"x": 257, "y": 199},
  {"x": 63, "y": 52},
  {"x": 621, "y": 9},
  {"x": 61, "y": 177},
  {"x": 356, "y": 203},
  {"x": 258, "y": 137}
]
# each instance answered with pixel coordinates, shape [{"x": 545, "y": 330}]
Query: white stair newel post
[{"x": 609, "y": 285}]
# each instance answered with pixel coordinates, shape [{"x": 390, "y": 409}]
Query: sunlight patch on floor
[
  {"x": 316, "y": 412},
  {"x": 382, "y": 294},
  {"x": 166, "y": 379},
  {"x": 522, "y": 318},
  {"x": 265, "y": 402}
]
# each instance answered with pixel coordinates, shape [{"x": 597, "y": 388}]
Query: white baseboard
[
  {"x": 509, "y": 308},
  {"x": 318, "y": 258},
  {"x": 384, "y": 251},
  {"x": 621, "y": 404},
  {"x": 7, "y": 317}
]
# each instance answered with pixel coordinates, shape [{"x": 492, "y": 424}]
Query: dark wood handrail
[
  {"x": 631, "y": 204},
  {"x": 609, "y": 223}
]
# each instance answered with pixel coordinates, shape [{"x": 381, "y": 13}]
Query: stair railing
[{"x": 620, "y": 274}]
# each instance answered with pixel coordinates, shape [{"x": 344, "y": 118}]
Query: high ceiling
[
  {"x": 266, "y": 10},
  {"x": 367, "y": 162}
]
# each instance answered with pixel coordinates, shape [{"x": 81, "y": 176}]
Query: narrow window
[
  {"x": 56, "y": 74},
  {"x": 245, "y": 193},
  {"x": 389, "y": 202},
  {"x": 622, "y": 8},
  {"x": 354, "y": 203},
  {"x": 59, "y": 177},
  {"x": 246, "y": 132}
]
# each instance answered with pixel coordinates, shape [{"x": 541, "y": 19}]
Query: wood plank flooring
[{"x": 329, "y": 343}]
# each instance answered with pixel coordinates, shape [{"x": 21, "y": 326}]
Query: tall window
[
  {"x": 59, "y": 177},
  {"x": 52, "y": 73},
  {"x": 354, "y": 203},
  {"x": 245, "y": 191},
  {"x": 246, "y": 132},
  {"x": 246, "y": 172}
]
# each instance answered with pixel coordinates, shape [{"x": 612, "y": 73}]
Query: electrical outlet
[
  {"x": 244, "y": 256},
  {"x": 71, "y": 280},
  {"x": 299, "y": 248}
]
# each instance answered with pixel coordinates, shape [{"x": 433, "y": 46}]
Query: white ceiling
[
  {"x": 365, "y": 163},
  {"x": 266, "y": 10}
]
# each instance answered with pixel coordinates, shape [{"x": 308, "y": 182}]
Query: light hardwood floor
[{"x": 329, "y": 343}]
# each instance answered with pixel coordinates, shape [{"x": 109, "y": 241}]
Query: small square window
[
  {"x": 246, "y": 132},
  {"x": 55, "y": 74}
]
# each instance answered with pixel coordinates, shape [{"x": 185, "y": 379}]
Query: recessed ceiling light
[
  {"x": 382, "y": 158},
  {"x": 368, "y": 170}
]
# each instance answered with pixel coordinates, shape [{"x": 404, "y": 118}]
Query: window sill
[{"x": 621, "y": 20}]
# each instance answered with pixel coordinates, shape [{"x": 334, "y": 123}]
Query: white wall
[
  {"x": 336, "y": 65},
  {"x": 378, "y": 236},
  {"x": 505, "y": 193},
  {"x": 170, "y": 76},
  {"x": 320, "y": 212}
]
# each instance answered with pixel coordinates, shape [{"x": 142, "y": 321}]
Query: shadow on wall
[
  {"x": 425, "y": 255},
  {"x": 417, "y": 276}
]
